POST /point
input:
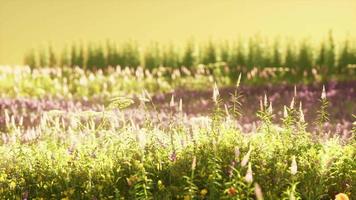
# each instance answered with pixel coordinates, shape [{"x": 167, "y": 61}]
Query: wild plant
[
  {"x": 322, "y": 113},
  {"x": 239, "y": 186},
  {"x": 81, "y": 159},
  {"x": 291, "y": 192},
  {"x": 235, "y": 99},
  {"x": 218, "y": 113},
  {"x": 191, "y": 189},
  {"x": 265, "y": 114}
]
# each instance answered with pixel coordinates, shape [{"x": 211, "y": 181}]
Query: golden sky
[{"x": 26, "y": 24}]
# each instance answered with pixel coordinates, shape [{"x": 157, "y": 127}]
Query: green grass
[
  {"x": 76, "y": 83},
  {"x": 103, "y": 155}
]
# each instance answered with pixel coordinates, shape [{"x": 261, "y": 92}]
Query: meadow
[
  {"x": 209, "y": 121},
  {"x": 69, "y": 133}
]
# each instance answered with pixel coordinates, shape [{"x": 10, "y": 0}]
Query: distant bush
[{"x": 300, "y": 60}]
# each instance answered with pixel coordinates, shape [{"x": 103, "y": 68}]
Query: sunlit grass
[{"x": 107, "y": 155}]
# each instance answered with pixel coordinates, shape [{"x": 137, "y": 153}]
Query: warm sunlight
[{"x": 30, "y": 24}]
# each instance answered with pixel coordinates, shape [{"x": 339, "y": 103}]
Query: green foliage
[
  {"x": 102, "y": 155},
  {"x": 152, "y": 57},
  {"x": 188, "y": 59},
  {"x": 323, "y": 114},
  {"x": 275, "y": 59},
  {"x": 95, "y": 58},
  {"x": 30, "y": 59},
  {"x": 208, "y": 54},
  {"x": 304, "y": 60}
]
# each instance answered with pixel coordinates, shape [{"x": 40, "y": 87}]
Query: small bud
[
  {"x": 265, "y": 101},
  {"x": 292, "y": 104},
  {"x": 180, "y": 105},
  {"x": 171, "y": 104},
  {"x": 203, "y": 192},
  {"x": 270, "y": 109},
  {"x": 323, "y": 93},
  {"x": 7, "y": 117},
  {"x": 285, "y": 112},
  {"x": 301, "y": 114},
  {"x": 238, "y": 81}
]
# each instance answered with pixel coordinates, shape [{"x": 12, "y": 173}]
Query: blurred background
[{"x": 35, "y": 24}]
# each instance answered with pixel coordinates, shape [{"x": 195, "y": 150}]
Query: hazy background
[{"x": 26, "y": 24}]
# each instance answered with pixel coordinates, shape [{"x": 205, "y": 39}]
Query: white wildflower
[
  {"x": 248, "y": 176},
  {"x": 194, "y": 163},
  {"x": 301, "y": 114},
  {"x": 171, "y": 104},
  {"x": 246, "y": 158},
  {"x": 270, "y": 109},
  {"x": 180, "y": 105},
  {"x": 258, "y": 192},
  {"x": 285, "y": 112},
  {"x": 292, "y": 104},
  {"x": 323, "y": 93},
  {"x": 215, "y": 93},
  {"x": 265, "y": 101},
  {"x": 294, "y": 167}
]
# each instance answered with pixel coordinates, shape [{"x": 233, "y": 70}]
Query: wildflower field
[{"x": 138, "y": 133}]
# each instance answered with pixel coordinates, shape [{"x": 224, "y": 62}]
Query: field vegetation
[
  {"x": 290, "y": 60},
  {"x": 107, "y": 155},
  {"x": 108, "y": 122}
]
